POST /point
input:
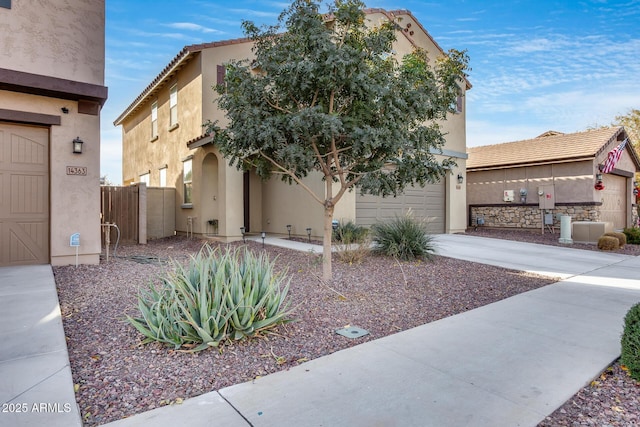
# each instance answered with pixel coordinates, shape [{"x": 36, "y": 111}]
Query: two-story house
[
  {"x": 164, "y": 145},
  {"x": 51, "y": 92}
]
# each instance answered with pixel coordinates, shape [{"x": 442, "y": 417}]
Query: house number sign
[{"x": 77, "y": 170}]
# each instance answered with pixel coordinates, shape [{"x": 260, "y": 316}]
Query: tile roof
[{"x": 550, "y": 147}]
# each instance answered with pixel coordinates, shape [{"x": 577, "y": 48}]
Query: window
[
  {"x": 5, "y": 3},
  {"x": 173, "y": 106},
  {"x": 145, "y": 178},
  {"x": 154, "y": 120},
  {"x": 163, "y": 176},
  {"x": 459, "y": 104},
  {"x": 221, "y": 73},
  {"x": 187, "y": 178}
]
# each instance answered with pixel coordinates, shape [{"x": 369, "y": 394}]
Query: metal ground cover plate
[{"x": 352, "y": 332}]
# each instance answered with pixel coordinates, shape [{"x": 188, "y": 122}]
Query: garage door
[
  {"x": 427, "y": 202},
  {"x": 24, "y": 195},
  {"x": 614, "y": 200}
]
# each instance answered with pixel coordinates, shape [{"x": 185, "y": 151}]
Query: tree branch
[
  {"x": 275, "y": 106},
  {"x": 293, "y": 176}
]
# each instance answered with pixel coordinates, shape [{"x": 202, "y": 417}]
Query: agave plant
[{"x": 216, "y": 296}]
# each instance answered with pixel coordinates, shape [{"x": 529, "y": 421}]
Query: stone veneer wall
[{"x": 530, "y": 215}]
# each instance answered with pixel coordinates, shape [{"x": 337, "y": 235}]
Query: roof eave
[
  {"x": 182, "y": 58},
  {"x": 526, "y": 164}
]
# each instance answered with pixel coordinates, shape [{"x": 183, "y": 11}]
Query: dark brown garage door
[{"x": 24, "y": 195}]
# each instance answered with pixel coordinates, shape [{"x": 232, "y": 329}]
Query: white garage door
[
  {"x": 24, "y": 195},
  {"x": 427, "y": 202},
  {"x": 614, "y": 201}
]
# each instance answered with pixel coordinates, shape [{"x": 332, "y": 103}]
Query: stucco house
[
  {"x": 164, "y": 145},
  {"x": 51, "y": 92},
  {"x": 516, "y": 183}
]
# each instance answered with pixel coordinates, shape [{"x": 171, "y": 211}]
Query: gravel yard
[{"x": 116, "y": 377}]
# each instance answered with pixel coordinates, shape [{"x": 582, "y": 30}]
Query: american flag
[{"x": 613, "y": 157}]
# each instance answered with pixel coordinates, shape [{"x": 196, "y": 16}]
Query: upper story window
[
  {"x": 187, "y": 181},
  {"x": 5, "y": 3},
  {"x": 154, "y": 120},
  {"x": 173, "y": 105},
  {"x": 145, "y": 178},
  {"x": 163, "y": 176}
]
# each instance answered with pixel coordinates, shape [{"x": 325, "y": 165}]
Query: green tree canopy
[
  {"x": 631, "y": 123},
  {"x": 326, "y": 93}
]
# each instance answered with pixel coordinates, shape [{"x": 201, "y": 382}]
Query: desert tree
[
  {"x": 326, "y": 95},
  {"x": 631, "y": 123}
]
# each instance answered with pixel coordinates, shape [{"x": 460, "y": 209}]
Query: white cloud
[{"x": 190, "y": 26}]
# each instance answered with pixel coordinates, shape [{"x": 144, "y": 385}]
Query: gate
[{"x": 120, "y": 206}]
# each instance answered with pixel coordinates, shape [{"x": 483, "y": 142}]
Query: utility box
[
  {"x": 589, "y": 231},
  {"x": 546, "y": 197}
]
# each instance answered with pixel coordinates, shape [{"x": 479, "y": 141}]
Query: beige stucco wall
[
  {"x": 45, "y": 38},
  {"x": 211, "y": 58},
  {"x": 284, "y": 204},
  {"x": 74, "y": 200},
  {"x": 141, "y": 154},
  {"x": 573, "y": 183},
  {"x": 58, "y": 39}
]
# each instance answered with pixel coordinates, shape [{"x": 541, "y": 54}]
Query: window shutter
[{"x": 222, "y": 71}]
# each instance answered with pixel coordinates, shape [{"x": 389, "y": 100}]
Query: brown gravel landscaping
[{"x": 116, "y": 377}]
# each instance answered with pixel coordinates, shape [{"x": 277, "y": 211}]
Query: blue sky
[{"x": 563, "y": 65}]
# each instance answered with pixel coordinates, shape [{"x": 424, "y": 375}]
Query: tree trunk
[{"x": 327, "y": 274}]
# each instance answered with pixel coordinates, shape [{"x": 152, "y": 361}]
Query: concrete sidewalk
[
  {"x": 37, "y": 389},
  {"x": 510, "y": 363}
]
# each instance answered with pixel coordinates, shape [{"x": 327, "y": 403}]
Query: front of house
[
  {"x": 513, "y": 185},
  {"x": 51, "y": 92},
  {"x": 164, "y": 146}
]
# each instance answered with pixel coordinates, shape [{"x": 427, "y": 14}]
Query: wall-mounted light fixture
[
  {"x": 598, "y": 177},
  {"x": 309, "y": 233},
  {"x": 460, "y": 178},
  {"x": 64, "y": 110},
  {"x": 289, "y": 230},
  {"x": 77, "y": 145}
]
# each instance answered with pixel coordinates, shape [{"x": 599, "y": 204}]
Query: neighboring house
[
  {"x": 164, "y": 145},
  {"x": 564, "y": 169},
  {"x": 51, "y": 92}
]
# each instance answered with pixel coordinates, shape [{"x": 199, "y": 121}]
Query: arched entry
[{"x": 209, "y": 195}]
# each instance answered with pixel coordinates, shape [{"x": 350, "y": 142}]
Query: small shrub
[
  {"x": 350, "y": 232},
  {"x": 622, "y": 238},
  {"x": 217, "y": 296},
  {"x": 608, "y": 243},
  {"x": 633, "y": 235},
  {"x": 404, "y": 238},
  {"x": 351, "y": 243},
  {"x": 631, "y": 342}
]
